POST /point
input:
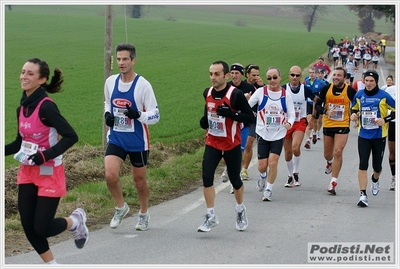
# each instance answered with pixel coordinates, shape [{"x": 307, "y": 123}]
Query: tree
[
  {"x": 310, "y": 14},
  {"x": 388, "y": 11},
  {"x": 366, "y": 14}
]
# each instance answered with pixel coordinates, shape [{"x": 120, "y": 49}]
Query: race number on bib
[
  {"x": 217, "y": 126},
  {"x": 338, "y": 112},
  {"x": 273, "y": 118},
  {"x": 121, "y": 122},
  {"x": 27, "y": 149},
  {"x": 369, "y": 120}
]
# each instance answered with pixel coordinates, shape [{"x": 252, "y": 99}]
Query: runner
[
  {"x": 275, "y": 116},
  {"x": 42, "y": 138},
  {"x": 334, "y": 102},
  {"x": 225, "y": 109},
  {"x": 294, "y": 136},
  {"x": 370, "y": 110}
]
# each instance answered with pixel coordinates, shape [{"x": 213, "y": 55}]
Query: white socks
[
  {"x": 75, "y": 222},
  {"x": 210, "y": 211}
]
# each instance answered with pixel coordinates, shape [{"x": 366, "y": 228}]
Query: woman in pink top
[{"x": 38, "y": 148}]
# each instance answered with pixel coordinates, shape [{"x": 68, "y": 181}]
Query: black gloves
[
  {"x": 109, "y": 119},
  {"x": 204, "y": 122},
  {"x": 225, "y": 111},
  {"x": 37, "y": 158},
  {"x": 131, "y": 113}
]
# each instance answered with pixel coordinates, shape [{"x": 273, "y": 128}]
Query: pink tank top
[{"x": 33, "y": 130}]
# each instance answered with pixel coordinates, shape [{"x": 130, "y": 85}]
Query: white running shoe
[
  {"x": 363, "y": 201},
  {"x": 261, "y": 183},
  {"x": 392, "y": 184},
  {"x": 267, "y": 195},
  {"x": 231, "y": 190},
  {"x": 119, "y": 215},
  {"x": 375, "y": 188},
  {"x": 81, "y": 231},
  {"x": 208, "y": 223},
  {"x": 241, "y": 220},
  {"x": 143, "y": 222},
  {"x": 224, "y": 176}
]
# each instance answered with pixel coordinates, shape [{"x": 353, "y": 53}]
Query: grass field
[{"x": 175, "y": 47}]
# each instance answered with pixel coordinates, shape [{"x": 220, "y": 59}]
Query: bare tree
[
  {"x": 367, "y": 15},
  {"x": 388, "y": 11},
  {"x": 310, "y": 14}
]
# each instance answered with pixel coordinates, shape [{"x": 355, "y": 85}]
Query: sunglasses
[
  {"x": 295, "y": 75},
  {"x": 274, "y": 78}
]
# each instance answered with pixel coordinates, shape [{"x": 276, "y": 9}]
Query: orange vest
[{"x": 341, "y": 105}]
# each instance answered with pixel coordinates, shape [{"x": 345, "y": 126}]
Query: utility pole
[{"x": 108, "y": 60}]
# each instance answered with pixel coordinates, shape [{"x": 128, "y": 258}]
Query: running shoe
[
  {"x": 307, "y": 145},
  {"x": 314, "y": 138},
  {"x": 261, "y": 183},
  {"x": 208, "y": 223},
  {"x": 244, "y": 175},
  {"x": 318, "y": 137},
  {"x": 296, "y": 180},
  {"x": 224, "y": 176},
  {"x": 119, "y": 215},
  {"x": 374, "y": 187},
  {"x": 81, "y": 231},
  {"x": 332, "y": 187},
  {"x": 392, "y": 184},
  {"x": 231, "y": 191},
  {"x": 289, "y": 182},
  {"x": 267, "y": 195},
  {"x": 143, "y": 222},
  {"x": 241, "y": 220},
  {"x": 328, "y": 168},
  {"x": 363, "y": 201}
]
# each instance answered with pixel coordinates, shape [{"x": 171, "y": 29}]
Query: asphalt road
[{"x": 278, "y": 233}]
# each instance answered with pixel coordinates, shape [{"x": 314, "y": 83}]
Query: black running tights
[{"x": 37, "y": 217}]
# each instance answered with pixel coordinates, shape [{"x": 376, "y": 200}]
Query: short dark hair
[
  {"x": 341, "y": 68},
  {"x": 224, "y": 65},
  {"x": 249, "y": 67},
  {"x": 129, "y": 47}
]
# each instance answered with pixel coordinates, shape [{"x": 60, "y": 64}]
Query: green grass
[
  {"x": 173, "y": 55},
  {"x": 175, "y": 47}
]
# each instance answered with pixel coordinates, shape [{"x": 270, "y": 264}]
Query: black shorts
[
  {"x": 392, "y": 131},
  {"x": 138, "y": 159},
  {"x": 252, "y": 130},
  {"x": 366, "y": 147},
  {"x": 338, "y": 130},
  {"x": 335, "y": 58},
  {"x": 309, "y": 108},
  {"x": 266, "y": 147}
]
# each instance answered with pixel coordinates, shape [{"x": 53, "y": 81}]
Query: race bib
[
  {"x": 216, "y": 125},
  {"x": 297, "y": 110},
  {"x": 27, "y": 149},
  {"x": 369, "y": 120},
  {"x": 121, "y": 122},
  {"x": 273, "y": 119},
  {"x": 338, "y": 112}
]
